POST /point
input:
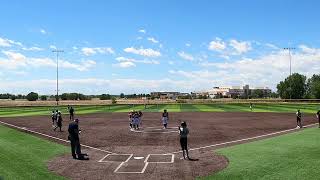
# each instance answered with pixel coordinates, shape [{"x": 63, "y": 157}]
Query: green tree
[
  {"x": 32, "y": 96},
  {"x": 257, "y": 93},
  {"x": 293, "y": 86},
  {"x": 313, "y": 87},
  {"x": 121, "y": 95},
  {"x": 43, "y": 98},
  {"x": 105, "y": 97}
]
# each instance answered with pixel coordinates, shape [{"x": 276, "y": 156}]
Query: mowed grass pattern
[
  {"x": 23, "y": 156},
  {"x": 228, "y": 107},
  {"x": 291, "y": 156}
]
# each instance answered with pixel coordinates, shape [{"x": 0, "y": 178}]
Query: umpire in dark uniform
[{"x": 74, "y": 139}]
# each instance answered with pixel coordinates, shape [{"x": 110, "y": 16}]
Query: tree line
[{"x": 297, "y": 86}]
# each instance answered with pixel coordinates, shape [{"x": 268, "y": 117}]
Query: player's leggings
[
  {"x": 184, "y": 143},
  {"x": 299, "y": 122}
]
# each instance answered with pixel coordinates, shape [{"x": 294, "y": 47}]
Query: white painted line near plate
[
  {"x": 172, "y": 158},
  {"x": 52, "y": 137},
  {"x": 102, "y": 160},
  {"x": 150, "y": 132},
  {"x": 240, "y": 140},
  {"x": 130, "y": 172}
]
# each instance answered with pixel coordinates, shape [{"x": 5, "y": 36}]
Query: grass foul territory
[
  {"x": 23, "y": 156},
  {"x": 291, "y": 156}
]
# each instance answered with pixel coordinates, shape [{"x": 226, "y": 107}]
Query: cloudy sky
[{"x": 138, "y": 46}]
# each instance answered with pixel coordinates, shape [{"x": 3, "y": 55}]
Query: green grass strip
[
  {"x": 23, "y": 156},
  {"x": 290, "y": 156}
]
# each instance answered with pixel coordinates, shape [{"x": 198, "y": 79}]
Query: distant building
[
  {"x": 236, "y": 91},
  {"x": 165, "y": 95}
]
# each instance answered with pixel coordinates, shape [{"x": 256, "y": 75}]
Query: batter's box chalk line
[
  {"x": 146, "y": 162},
  {"x": 157, "y": 130}
]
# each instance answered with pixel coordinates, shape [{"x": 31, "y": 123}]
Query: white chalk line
[
  {"x": 146, "y": 163},
  {"x": 192, "y": 149},
  {"x": 129, "y": 156},
  {"x": 52, "y": 137},
  {"x": 155, "y": 130},
  {"x": 245, "y": 139}
]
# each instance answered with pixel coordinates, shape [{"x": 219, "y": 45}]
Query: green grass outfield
[
  {"x": 23, "y": 156},
  {"x": 228, "y": 107},
  {"x": 290, "y": 156}
]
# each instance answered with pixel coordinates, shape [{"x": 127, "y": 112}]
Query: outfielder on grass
[{"x": 318, "y": 116}]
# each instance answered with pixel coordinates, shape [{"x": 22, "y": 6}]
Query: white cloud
[
  {"x": 16, "y": 60},
  {"x": 308, "y": 50},
  {"x": 217, "y": 45},
  {"x": 188, "y": 44},
  {"x": 143, "y": 52},
  {"x": 142, "y": 31},
  {"x": 186, "y": 56},
  {"x": 125, "y": 64},
  {"x": 267, "y": 70},
  {"x": 124, "y": 59},
  {"x": 8, "y": 43},
  {"x": 271, "y": 46},
  {"x": 92, "y": 51},
  {"x": 153, "y": 40},
  {"x": 139, "y": 38},
  {"x": 130, "y": 62},
  {"x": 240, "y": 47},
  {"x": 170, "y": 62},
  {"x": 53, "y": 47},
  {"x": 42, "y": 31},
  {"x": 114, "y": 86},
  {"x": 32, "y": 49}
]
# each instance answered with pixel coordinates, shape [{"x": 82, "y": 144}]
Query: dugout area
[{"x": 118, "y": 153}]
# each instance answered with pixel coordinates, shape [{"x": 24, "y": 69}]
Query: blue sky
[{"x": 141, "y": 46}]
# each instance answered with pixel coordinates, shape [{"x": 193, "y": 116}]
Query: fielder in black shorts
[{"x": 184, "y": 131}]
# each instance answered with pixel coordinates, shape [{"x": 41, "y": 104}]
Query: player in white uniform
[{"x": 165, "y": 118}]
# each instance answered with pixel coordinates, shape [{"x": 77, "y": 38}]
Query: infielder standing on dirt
[
  {"x": 318, "y": 116},
  {"x": 184, "y": 131},
  {"x": 298, "y": 114},
  {"x": 165, "y": 118},
  {"x": 53, "y": 117}
]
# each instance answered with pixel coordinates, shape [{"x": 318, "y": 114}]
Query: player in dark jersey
[
  {"x": 299, "y": 115},
  {"x": 318, "y": 116},
  {"x": 71, "y": 113},
  {"x": 183, "y": 132},
  {"x": 59, "y": 121}
]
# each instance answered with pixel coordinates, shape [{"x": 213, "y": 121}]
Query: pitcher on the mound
[{"x": 165, "y": 118}]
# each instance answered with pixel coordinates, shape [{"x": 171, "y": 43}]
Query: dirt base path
[{"x": 151, "y": 152}]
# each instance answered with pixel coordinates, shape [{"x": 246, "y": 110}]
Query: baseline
[{"x": 245, "y": 139}]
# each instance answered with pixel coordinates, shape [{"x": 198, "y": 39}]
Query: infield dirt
[{"x": 110, "y": 132}]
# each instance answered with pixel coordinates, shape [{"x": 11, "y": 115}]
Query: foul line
[
  {"x": 52, "y": 137},
  {"x": 240, "y": 140}
]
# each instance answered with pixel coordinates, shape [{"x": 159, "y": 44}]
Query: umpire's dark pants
[{"x": 75, "y": 147}]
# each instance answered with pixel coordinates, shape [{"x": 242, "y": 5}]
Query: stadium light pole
[
  {"x": 290, "y": 58},
  {"x": 57, "y": 51}
]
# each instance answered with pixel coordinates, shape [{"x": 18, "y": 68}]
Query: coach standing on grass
[{"x": 74, "y": 139}]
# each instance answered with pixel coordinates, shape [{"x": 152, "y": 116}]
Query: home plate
[{"x": 138, "y": 158}]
